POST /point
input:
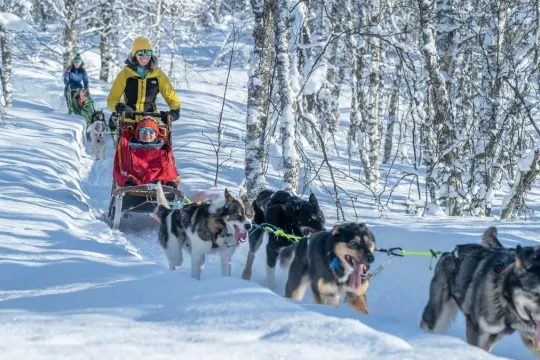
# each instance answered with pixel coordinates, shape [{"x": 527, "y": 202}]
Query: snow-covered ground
[{"x": 72, "y": 288}]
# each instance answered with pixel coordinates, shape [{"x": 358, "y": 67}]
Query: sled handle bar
[{"x": 144, "y": 113}]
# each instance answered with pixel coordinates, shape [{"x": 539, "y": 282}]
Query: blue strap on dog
[{"x": 334, "y": 265}]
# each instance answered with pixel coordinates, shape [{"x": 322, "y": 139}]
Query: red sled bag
[{"x": 143, "y": 166}]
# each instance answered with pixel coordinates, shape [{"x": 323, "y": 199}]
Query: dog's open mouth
[
  {"x": 306, "y": 231},
  {"x": 359, "y": 274},
  {"x": 240, "y": 234}
]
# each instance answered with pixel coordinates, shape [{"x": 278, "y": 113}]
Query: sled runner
[{"x": 136, "y": 173}]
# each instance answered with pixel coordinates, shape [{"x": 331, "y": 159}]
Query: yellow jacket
[{"x": 140, "y": 94}]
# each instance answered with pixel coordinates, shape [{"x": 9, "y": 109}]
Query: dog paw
[{"x": 424, "y": 325}]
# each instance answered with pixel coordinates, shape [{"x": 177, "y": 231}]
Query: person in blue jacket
[{"x": 75, "y": 80}]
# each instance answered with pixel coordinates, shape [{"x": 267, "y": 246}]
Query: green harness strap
[{"x": 276, "y": 231}]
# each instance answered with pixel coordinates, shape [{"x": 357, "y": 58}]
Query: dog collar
[{"x": 336, "y": 268}]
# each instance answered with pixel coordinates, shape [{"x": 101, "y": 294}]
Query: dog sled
[
  {"x": 80, "y": 102},
  {"x": 136, "y": 173}
]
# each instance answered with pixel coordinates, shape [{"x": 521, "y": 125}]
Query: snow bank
[{"x": 14, "y": 23}]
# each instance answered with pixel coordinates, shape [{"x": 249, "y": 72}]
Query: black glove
[
  {"x": 175, "y": 114},
  {"x": 123, "y": 108},
  {"x": 164, "y": 115}
]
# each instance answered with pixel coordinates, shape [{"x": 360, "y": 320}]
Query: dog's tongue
[
  {"x": 239, "y": 234},
  {"x": 356, "y": 277},
  {"x": 537, "y": 334}
]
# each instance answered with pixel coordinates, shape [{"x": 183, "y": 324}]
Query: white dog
[{"x": 97, "y": 137}]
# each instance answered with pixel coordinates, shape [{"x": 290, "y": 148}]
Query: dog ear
[
  {"x": 335, "y": 230},
  {"x": 244, "y": 198},
  {"x": 362, "y": 226},
  {"x": 291, "y": 210},
  {"x": 527, "y": 257},
  {"x": 313, "y": 200},
  {"x": 242, "y": 193},
  {"x": 228, "y": 198}
]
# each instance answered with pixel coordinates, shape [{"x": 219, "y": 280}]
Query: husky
[
  {"x": 96, "y": 130},
  {"x": 203, "y": 228},
  {"x": 290, "y": 213},
  {"x": 97, "y": 116},
  {"x": 334, "y": 263},
  {"x": 113, "y": 125},
  {"x": 496, "y": 288}
]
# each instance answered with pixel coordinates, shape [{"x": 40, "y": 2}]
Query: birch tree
[
  {"x": 258, "y": 96},
  {"x": 10, "y": 24},
  {"x": 373, "y": 119},
  {"x": 287, "y": 125},
  {"x": 108, "y": 19}
]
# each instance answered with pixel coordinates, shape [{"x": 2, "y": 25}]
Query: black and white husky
[
  {"x": 96, "y": 130},
  {"x": 203, "y": 228}
]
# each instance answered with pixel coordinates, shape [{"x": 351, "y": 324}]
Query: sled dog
[
  {"x": 97, "y": 116},
  {"x": 496, "y": 288},
  {"x": 203, "y": 228},
  {"x": 290, "y": 213},
  {"x": 334, "y": 263},
  {"x": 113, "y": 125},
  {"x": 96, "y": 130}
]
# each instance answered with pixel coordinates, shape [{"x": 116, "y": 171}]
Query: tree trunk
[
  {"x": 217, "y": 10},
  {"x": 159, "y": 28},
  {"x": 330, "y": 101},
  {"x": 70, "y": 32},
  {"x": 288, "y": 105},
  {"x": 105, "y": 40},
  {"x": 5, "y": 45},
  {"x": 514, "y": 200},
  {"x": 355, "y": 116},
  {"x": 438, "y": 109},
  {"x": 485, "y": 172},
  {"x": 392, "y": 115},
  {"x": 258, "y": 97},
  {"x": 373, "y": 121}
]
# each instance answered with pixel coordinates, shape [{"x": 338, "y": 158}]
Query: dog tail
[
  {"x": 286, "y": 256},
  {"x": 163, "y": 206},
  {"x": 490, "y": 238}
]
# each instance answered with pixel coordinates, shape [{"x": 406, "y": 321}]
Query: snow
[
  {"x": 526, "y": 161},
  {"x": 72, "y": 288},
  {"x": 315, "y": 80},
  {"x": 14, "y": 23}
]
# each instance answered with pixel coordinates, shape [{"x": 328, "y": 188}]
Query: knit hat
[
  {"x": 140, "y": 43},
  {"x": 77, "y": 58},
  {"x": 146, "y": 122}
]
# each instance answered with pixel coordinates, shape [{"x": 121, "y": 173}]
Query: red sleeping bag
[{"x": 143, "y": 166}]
